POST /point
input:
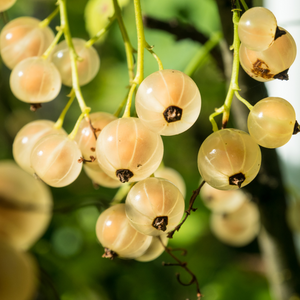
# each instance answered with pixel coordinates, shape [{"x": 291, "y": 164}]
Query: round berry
[
  {"x": 229, "y": 159},
  {"x": 6, "y": 4},
  {"x": 271, "y": 122},
  {"x": 88, "y": 63},
  {"x": 35, "y": 80},
  {"x": 26, "y": 207},
  {"x": 154, "y": 205},
  {"x": 168, "y": 102},
  {"x": 118, "y": 237},
  {"x": 129, "y": 151},
  {"x": 54, "y": 159},
  {"x": 22, "y": 38},
  {"x": 257, "y": 28}
]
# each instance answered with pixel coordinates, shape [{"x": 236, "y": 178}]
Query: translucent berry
[
  {"x": 168, "y": 102},
  {"x": 18, "y": 276},
  {"x": 257, "y": 28},
  {"x": 229, "y": 159},
  {"x": 272, "y": 63},
  {"x": 271, "y": 122},
  {"x": 86, "y": 136},
  {"x": 239, "y": 227},
  {"x": 88, "y": 63},
  {"x": 155, "y": 249},
  {"x": 173, "y": 176},
  {"x": 154, "y": 205},
  {"x": 129, "y": 151},
  {"x": 26, "y": 139},
  {"x": 35, "y": 80},
  {"x": 25, "y": 206},
  {"x": 220, "y": 201},
  {"x": 99, "y": 177},
  {"x": 6, "y": 4},
  {"x": 22, "y": 38},
  {"x": 55, "y": 160},
  {"x": 118, "y": 237}
]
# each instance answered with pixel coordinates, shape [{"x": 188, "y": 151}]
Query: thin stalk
[
  {"x": 159, "y": 62},
  {"x": 129, "y": 101},
  {"x": 61, "y": 118},
  {"x": 72, "y": 135},
  {"x": 243, "y": 100},
  {"x": 47, "y": 21},
  {"x": 73, "y": 56},
  {"x": 244, "y": 5},
  {"x": 53, "y": 44}
]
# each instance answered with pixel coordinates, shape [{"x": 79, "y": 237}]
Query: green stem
[
  {"x": 121, "y": 193},
  {"x": 212, "y": 118},
  {"x": 244, "y": 5},
  {"x": 150, "y": 49},
  {"x": 129, "y": 101},
  {"x": 76, "y": 127},
  {"x": 53, "y": 44},
  {"x": 234, "y": 85},
  {"x": 118, "y": 111},
  {"x": 95, "y": 38},
  {"x": 128, "y": 47},
  {"x": 243, "y": 100},
  {"x": 47, "y": 21},
  {"x": 73, "y": 55},
  {"x": 202, "y": 54},
  {"x": 61, "y": 118}
]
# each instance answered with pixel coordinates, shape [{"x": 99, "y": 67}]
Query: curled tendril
[{"x": 193, "y": 279}]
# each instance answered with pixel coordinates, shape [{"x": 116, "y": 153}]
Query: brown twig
[
  {"x": 188, "y": 211},
  {"x": 94, "y": 130},
  {"x": 184, "y": 266}
]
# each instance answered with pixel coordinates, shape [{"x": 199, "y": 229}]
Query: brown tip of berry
[
  {"x": 124, "y": 175},
  {"x": 237, "y": 179},
  {"x": 282, "y": 75},
  {"x": 35, "y": 106},
  {"x": 279, "y": 33},
  {"x": 296, "y": 128},
  {"x": 160, "y": 223},
  {"x": 109, "y": 254},
  {"x": 172, "y": 114}
]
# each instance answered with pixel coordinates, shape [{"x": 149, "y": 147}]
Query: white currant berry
[
  {"x": 154, "y": 205},
  {"x": 25, "y": 206},
  {"x": 118, "y": 237},
  {"x": 272, "y": 63},
  {"x": 257, "y": 28},
  {"x": 271, "y": 122},
  {"x": 22, "y": 38},
  {"x": 6, "y": 4},
  {"x": 229, "y": 159},
  {"x": 88, "y": 63},
  {"x": 35, "y": 80},
  {"x": 239, "y": 227},
  {"x": 168, "y": 102},
  {"x": 26, "y": 139},
  {"x": 221, "y": 201},
  {"x": 129, "y": 151},
  {"x": 55, "y": 159},
  {"x": 155, "y": 249}
]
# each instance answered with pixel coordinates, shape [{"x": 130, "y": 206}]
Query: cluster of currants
[
  {"x": 36, "y": 78},
  {"x": 230, "y": 158}
]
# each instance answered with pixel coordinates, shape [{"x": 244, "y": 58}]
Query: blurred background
[{"x": 69, "y": 254}]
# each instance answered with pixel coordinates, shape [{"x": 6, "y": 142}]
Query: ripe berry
[
  {"x": 6, "y": 4},
  {"x": 257, "y": 28},
  {"x": 22, "y": 38},
  {"x": 168, "y": 102},
  {"x": 271, "y": 122},
  {"x": 229, "y": 159},
  {"x": 88, "y": 63},
  {"x": 129, "y": 151},
  {"x": 154, "y": 205},
  {"x": 35, "y": 80},
  {"x": 118, "y": 237}
]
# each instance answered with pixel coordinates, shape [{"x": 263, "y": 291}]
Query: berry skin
[
  {"x": 26, "y": 139},
  {"x": 87, "y": 66},
  {"x": 128, "y": 151},
  {"x": 229, "y": 159},
  {"x": 168, "y": 102},
  {"x": 257, "y": 28},
  {"x": 154, "y": 205},
  {"x": 35, "y": 80},
  {"x": 115, "y": 233},
  {"x": 271, "y": 63},
  {"x": 55, "y": 160},
  {"x": 6, "y": 4},
  {"x": 239, "y": 227},
  {"x": 271, "y": 122},
  {"x": 28, "y": 212},
  {"x": 22, "y": 38}
]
